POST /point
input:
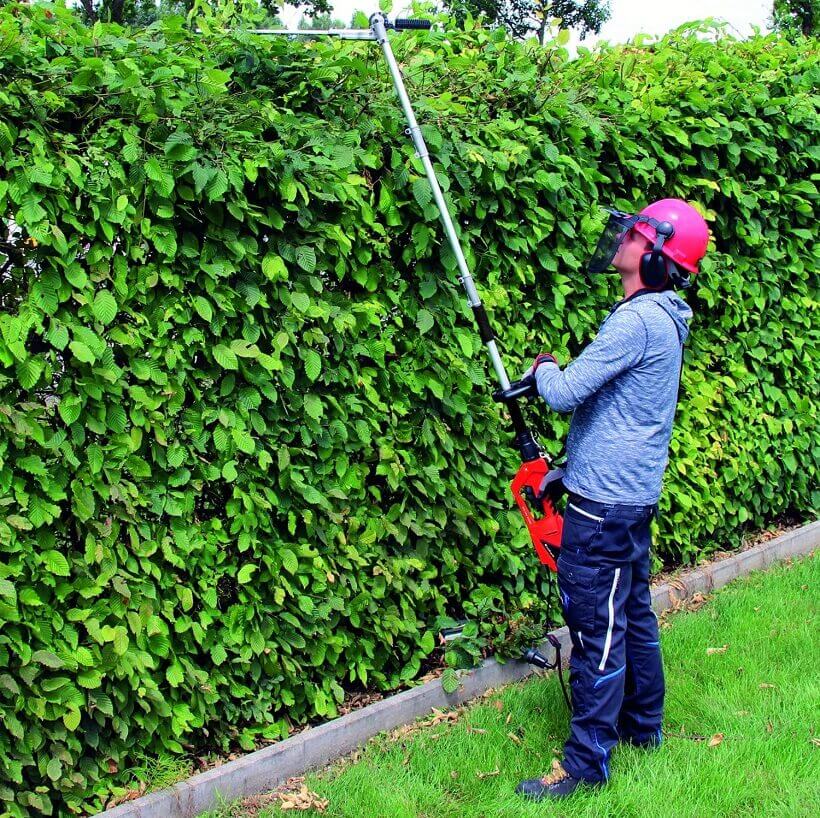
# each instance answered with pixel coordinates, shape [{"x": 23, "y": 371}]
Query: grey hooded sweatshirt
[{"x": 622, "y": 390}]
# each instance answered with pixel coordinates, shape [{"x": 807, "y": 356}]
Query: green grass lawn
[{"x": 742, "y": 729}]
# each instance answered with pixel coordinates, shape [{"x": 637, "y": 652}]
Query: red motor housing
[{"x": 545, "y": 528}]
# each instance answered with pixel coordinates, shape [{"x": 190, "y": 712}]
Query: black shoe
[{"x": 557, "y": 784}]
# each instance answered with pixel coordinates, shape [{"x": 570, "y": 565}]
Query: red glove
[{"x": 542, "y": 358}]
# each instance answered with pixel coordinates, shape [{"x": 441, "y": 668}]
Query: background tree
[
  {"x": 797, "y": 16},
  {"x": 521, "y": 17},
  {"x": 583, "y": 16},
  {"x": 319, "y": 22}
]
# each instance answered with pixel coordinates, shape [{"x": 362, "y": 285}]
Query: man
[{"x": 622, "y": 390}]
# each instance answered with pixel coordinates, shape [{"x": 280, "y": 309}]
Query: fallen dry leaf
[
  {"x": 453, "y": 773},
  {"x": 710, "y": 651},
  {"x": 509, "y": 717},
  {"x": 815, "y": 741},
  {"x": 499, "y": 705},
  {"x": 697, "y": 601},
  {"x": 769, "y": 727},
  {"x": 496, "y": 771},
  {"x": 402, "y": 731},
  {"x": 741, "y": 712},
  {"x": 556, "y": 773},
  {"x": 766, "y": 686},
  {"x": 254, "y": 804},
  {"x": 440, "y": 716},
  {"x": 433, "y": 674},
  {"x": 514, "y": 737},
  {"x": 129, "y": 795},
  {"x": 303, "y": 799},
  {"x": 357, "y": 701},
  {"x": 716, "y": 739},
  {"x": 475, "y": 730}
]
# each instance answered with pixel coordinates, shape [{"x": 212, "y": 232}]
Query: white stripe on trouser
[
  {"x": 608, "y": 642},
  {"x": 585, "y": 513}
]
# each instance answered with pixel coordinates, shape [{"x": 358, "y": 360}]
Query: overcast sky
[{"x": 629, "y": 17}]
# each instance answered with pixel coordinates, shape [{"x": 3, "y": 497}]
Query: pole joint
[
  {"x": 378, "y": 25},
  {"x": 418, "y": 141}
]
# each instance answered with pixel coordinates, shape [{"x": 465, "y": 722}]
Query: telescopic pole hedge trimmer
[{"x": 536, "y": 485}]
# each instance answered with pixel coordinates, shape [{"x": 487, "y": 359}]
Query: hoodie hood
[{"x": 671, "y": 303}]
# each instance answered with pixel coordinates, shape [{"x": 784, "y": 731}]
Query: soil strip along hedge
[{"x": 247, "y": 450}]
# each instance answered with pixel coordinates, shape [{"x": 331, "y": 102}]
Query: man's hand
[{"x": 541, "y": 358}]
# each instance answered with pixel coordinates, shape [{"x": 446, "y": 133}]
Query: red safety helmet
[{"x": 687, "y": 245}]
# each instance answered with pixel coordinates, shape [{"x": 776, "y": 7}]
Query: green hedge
[{"x": 248, "y": 454}]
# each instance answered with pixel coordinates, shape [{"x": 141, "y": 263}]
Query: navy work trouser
[{"x": 616, "y": 673}]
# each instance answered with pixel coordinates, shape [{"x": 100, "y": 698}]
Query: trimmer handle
[
  {"x": 403, "y": 24},
  {"x": 525, "y": 388}
]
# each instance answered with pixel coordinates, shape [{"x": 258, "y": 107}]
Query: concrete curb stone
[{"x": 265, "y": 769}]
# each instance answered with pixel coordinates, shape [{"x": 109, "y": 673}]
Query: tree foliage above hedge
[{"x": 248, "y": 454}]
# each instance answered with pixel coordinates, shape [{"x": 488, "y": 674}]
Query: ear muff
[{"x": 653, "y": 270}]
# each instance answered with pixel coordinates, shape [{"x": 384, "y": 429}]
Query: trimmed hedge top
[{"x": 248, "y": 453}]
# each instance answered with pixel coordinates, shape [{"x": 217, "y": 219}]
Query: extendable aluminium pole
[
  {"x": 508, "y": 393},
  {"x": 378, "y": 26},
  {"x": 525, "y": 441},
  {"x": 532, "y": 484}
]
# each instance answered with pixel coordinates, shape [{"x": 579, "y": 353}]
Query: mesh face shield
[{"x": 613, "y": 234}]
